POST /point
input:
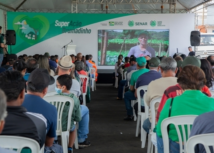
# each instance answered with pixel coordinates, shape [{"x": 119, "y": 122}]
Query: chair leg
[
  {"x": 149, "y": 144},
  {"x": 143, "y": 132},
  {"x": 64, "y": 137},
  {"x": 138, "y": 125},
  {"x": 76, "y": 145},
  {"x": 95, "y": 88},
  {"x": 92, "y": 84},
  {"x": 84, "y": 99}
]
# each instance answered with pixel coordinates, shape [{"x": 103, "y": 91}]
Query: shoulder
[
  {"x": 149, "y": 48},
  {"x": 37, "y": 117},
  {"x": 133, "y": 48},
  {"x": 74, "y": 81}
]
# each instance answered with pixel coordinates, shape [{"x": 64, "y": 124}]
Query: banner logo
[
  {"x": 111, "y": 23},
  {"x": 31, "y": 29},
  {"x": 153, "y": 23},
  {"x": 131, "y": 23},
  {"x": 140, "y": 23},
  {"x": 115, "y": 23}
]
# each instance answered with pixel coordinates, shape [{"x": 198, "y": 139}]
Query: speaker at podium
[{"x": 71, "y": 49}]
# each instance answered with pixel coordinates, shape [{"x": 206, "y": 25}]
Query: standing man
[
  {"x": 191, "y": 52},
  {"x": 1, "y": 47},
  {"x": 143, "y": 49}
]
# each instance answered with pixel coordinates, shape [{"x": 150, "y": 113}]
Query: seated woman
[
  {"x": 191, "y": 102},
  {"x": 21, "y": 66}
]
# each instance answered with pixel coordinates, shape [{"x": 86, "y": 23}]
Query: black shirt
[{"x": 19, "y": 122}]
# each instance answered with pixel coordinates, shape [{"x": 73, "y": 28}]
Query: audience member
[
  {"x": 44, "y": 64},
  {"x": 11, "y": 58},
  {"x": 57, "y": 58},
  {"x": 19, "y": 122},
  {"x": 129, "y": 95},
  {"x": 146, "y": 78},
  {"x": 94, "y": 66},
  {"x": 206, "y": 67},
  {"x": 176, "y": 90},
  {"x": 178, "y": 58},
  {"x": 65, "y": 66},
  {"x": 80, "y": 113},
  {"x": 127, "y": 63},
  {"x": 20, "y": 66},
  {"x": 116, "y": 67},
  {"x": 191, "y": 102},
  {"x": 73, "y": 58},
  {"x": 3, "y": 114},
  {"x": 157, "y": 87},
  {"x": 32, "y": 64},
  {"x": 211, "y": 60},
  {"x": 52, "y": 64},
  {"x": 183, "y": 56},
  {"x": 87, "y": 61},
  {"x": 2, "y": 46},
  {"x": 34, "y": 102}
]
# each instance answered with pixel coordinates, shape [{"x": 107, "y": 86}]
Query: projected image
[{"x": 112, "y": 43}]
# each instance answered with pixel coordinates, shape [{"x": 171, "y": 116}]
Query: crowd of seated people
[
  {"x": 25, "y": 80},
  {"x": 184, "y": 84}
]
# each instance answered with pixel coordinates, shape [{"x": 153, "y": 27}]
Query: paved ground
[{"x": 108, "y": 132}]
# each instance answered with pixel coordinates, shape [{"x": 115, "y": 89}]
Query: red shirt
[
  {"x": 127, "y": 65},
  {"x": 172, "y": 92}
]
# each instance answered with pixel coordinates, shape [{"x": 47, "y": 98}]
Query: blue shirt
[
  {"x": 130, "y": 68},
  {"x": 89, "y": 64},
  {"x": 26, "y": 76},
  {"x": 36, "y": 104},
  {"x": 52, "y": 64}
]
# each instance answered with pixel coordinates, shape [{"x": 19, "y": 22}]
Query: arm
[
  {"x": 131, "y": 88},
  {"x": 49, "y": 141}
]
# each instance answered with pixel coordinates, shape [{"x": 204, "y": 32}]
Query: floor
[{"x": 109, "y": 133}]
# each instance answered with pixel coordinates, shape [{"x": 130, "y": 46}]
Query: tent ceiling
[{"x": 99, "y": 6}]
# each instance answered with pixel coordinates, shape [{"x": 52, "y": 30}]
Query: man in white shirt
[{"x": 65, "y": 66}]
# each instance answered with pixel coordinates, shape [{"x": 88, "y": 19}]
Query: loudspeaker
[
  {"x": 10, "y": 37},
  {"x": 195, "y": 38}
]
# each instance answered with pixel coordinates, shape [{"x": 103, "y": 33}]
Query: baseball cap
[
  {"x": 154, "y": 62},
  {"x": 79, "y": 65},
  {"x": 141, "y": 61},
  {"x": 47, "y": 54},
  {"x": 179, "y": 63},
  {"x": 40, "y": 79},
  {"x": 66, "y": 62},
  {"x": 191, "y": 60}
]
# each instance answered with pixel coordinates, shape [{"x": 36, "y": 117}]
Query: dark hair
[
  {"x": 56, "y": 56},
  {"x": 211, "y": 59},
  {"x": 65, "y": 80},
  {"x": 178, "y": 58},
  {"x": 53, "y": 58},
  {"x": 19, "y": 65},
  {"x": 206, "y": 67},
  {"x": 0, "y": 27},
  {"x": 126, "y": 59},
  {"x": 183, "y": 56},
  {"x": 12, "y": 83},
  {"x": 86, "y": 57},
  {"x": 191, "y": 77},
  {"x": 90, "y": 57},
  {"x": 32, "y": 64}
]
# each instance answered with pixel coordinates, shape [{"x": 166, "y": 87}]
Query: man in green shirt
[
  {"x": 129, "y": 95},
  {"x": 1, "y": 47}
]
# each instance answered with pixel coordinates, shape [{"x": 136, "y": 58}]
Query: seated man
[
  {"x": 80, "y": 113},
  {"x": 3, "y": 113},
  {"x": 19, "y": 122},
  {"x": 129, "y": 95},
  {"x": 168, "y": 67},
  {"x": 146, "y": 78},
  {"x": 66, "y": 67},
  {"x": 37, "y": 86},
  {"x": 32, "y": 64}
]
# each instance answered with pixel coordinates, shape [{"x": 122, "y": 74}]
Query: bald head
[{"x": 79, "y": 56}]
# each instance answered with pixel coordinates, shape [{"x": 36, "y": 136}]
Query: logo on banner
[
  {"x": 104, "y": 24},
  {"x": 66, "y": 24},
  {"x": 31, "y": 29},
  {"x": 140, "y": 23},
  {"x": 153, "y": 23},
  {"x": 160, "y": 24},
  {"x": 131, "y": 23},
  {"x": 115, "y": 23}
]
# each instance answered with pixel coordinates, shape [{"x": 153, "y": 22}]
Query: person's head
[
  {"x": 141, "y": 62},
  {"x": 119, "y": 61},
  {"x": 79, "y": 66},
  {"x": 13, "y": 85},
  {"x": 154, "y": 63},
  {"x": 211, "y": 60},
  {"x": 190, "y": 48},
  {"x": 86, "y": 57},
  {"x": 178, "y": 58},
  {"x": 79, "y": 56},
  {"x": 0, "y": 28},
  {"x": 133, "y": 61},
  {"x": 44, "y": 63},
  {"x": 57, "y": 57},
  {"x": 127, "y": 59},
  {"x": 38, "y": 82},
  {"x": 20, "y": 66},
  {"x": 3, "y": 112},
  {"x": 206, "y": 67},
  {"x": 47, "y": 55},
  {"x": 120, "y": 56},
  {"x": 65, "y": 65},
  {"x": 191, "y": 78},
  {"x": 63, "y": 84},
  {"x": 183, "y": 56},
  {"x": 143, "y": 38},
  {"x": 53, "y": 58},
  {"x": 90, "y": 57},
  {"x": 11, "y": 58},
  {"x": 32, "y": 64},
  {"x": 168, "y": 67},
  {"x": 73, "y": 58}
]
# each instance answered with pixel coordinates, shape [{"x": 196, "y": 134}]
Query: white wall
[
  {"x": 179, "y": 25},
  {"x": 2, "y": 21}
]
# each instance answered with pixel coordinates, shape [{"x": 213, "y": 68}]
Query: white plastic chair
[
  {"x": 125, "y": 73},
  {"x": 133, "y": 102},
  {"x": 59, "y": 102},
  {"x": 92, "y": 71},
  {"x": 212, "y": 93},
  {"x": 50, "y": 94},
  {"x": 139, "y": 89},
  {"x": 205, "y": 139},
  {"x": 116, "y": 82},
  {"x": 83, "y": 78},
  {"x": 153, "y": 117},
  {"x": 18, "y": 143},
  {"x": 184, "y": 120}
]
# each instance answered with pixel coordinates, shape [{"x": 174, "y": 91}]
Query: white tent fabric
[{"x": 98, "y": 6}]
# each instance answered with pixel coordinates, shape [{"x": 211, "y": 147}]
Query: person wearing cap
[
  {"x": 19, "y": 122},
  {"x": 65, "y": 66},
  {"x": 156, "y": 88},
  {"x": 191, "y": 52},
  {"x": 146, "y": 78},
  {"x": 143, "y": 49},
  {"x": 129, "y": 95},
  {"x": 37, "y": 86},
  {"x": 192, "y": 102},
  {"x": 52, "y": 64},
  {"x": 176, "y": 90}
]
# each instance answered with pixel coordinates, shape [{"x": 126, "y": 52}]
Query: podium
[{"x": 71, "y": 49}]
